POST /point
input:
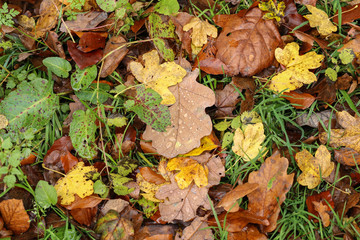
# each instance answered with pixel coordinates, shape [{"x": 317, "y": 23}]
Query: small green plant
[{"x": 6, "y": 15}]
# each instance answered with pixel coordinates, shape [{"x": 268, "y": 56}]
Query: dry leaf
[
  {"x": 312, "y": 167},
  {"x": 189, "y": 170},
  {"x": 297, "y": 68},
  {"x": 14, "y": 215},
  {"x": 318, "y": 18},
  {"x": 200, "y": 31},
  {"x": 322, "y": 210},
  {"x": 198, "y": 230},
  {"x": 148, "y": 189},
  {"x": 75, "y": 182},
  {"x": 299, "y": 100},
  {"x": 84, "y": 21},
  {"x": 250, "y": 232},
  {"x": 3, "y": 121},
  {"x": 49, "y": 13},
  {"x": 189, "y": 122},
  {"x": 158, "y": 76},
  {"x": 229, "y": 200},
  {"x": 248, "y": 140},
  {"x": 226, "y": 100},
  {"x": 274, "y": 183},
  {"x": 318, "y": 205},
  {"x": 207, "y": 143}
]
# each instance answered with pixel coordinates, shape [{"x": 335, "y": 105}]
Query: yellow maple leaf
[
  {"x": 297, "y": 68},
  {"x": 248, "y": 140},
  {"x": 75, "y": 182},
  {"x": 314, "y": 167},
  {"x": 190, "y": 170},
  {"x": 319, "y": 18},
  {"x": 274, "y": 11},
  {"x": 206, "y": 144},
  {"x": 201, "y": 29},
  {"x": 158, "y": 76}
]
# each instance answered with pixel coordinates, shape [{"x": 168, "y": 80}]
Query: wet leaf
[
  {"x": 318, "y": 18},
  {"x": 75, "y": 182},
  {"x": 84, "y": 216},
  {"x": 81, "y": 79},
  {"x": 189, "y": 122},
  {"x": 226, "y": 100},
  {"x": 45, "y": 194},
  {"x": 314, "y": 168},
  {"x": 90, "y": 41},
  {"x": 55, "y": 44},
  {"x": 14, "y": 215},
  {"x": 82, "y": 59},
  {"x": 297, "y": 68},
  {"x": 112, "y": 226}
]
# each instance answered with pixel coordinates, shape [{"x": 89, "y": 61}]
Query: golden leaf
[
  {"x": 158, "y": 76},
  {"x": 319, "y": 18},
  {"x": 149, "y": 189},
  {"x": 190, "y": 170},
  {"x": 297, "y": 68},
  {"x": 274, "y": 11},
  {"x": 201, "y": 29},
  {"x": 247, "y": 141},
  {"x": 206, "y": 144},
  {"x": 313, "y": 168},
  {"x": 3, "y": 121},
  {"x": 75, "y": 182}
]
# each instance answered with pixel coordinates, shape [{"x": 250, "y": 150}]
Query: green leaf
[
  {"x": 147, "y": 106},
  {"x": 118, "y": 184},
  {"x": 10, "y": 181},
  {"x": 119, "y": 121},
  {"x": 346, "y": 56},
  {"x": 3, "y": 170},
  {"x": 106, "y": 5},
  {"x": 167, "y": 7},
  {"x": 222, "y": 126},
  {"x": 93, "y": 94},
  {"x": 6, "y": 144},
  {"x": 14, "y": 159},
  {"x": 45, "y": 194},
  {"x": 331, "y": 74},
  {"x": 82, "y": 133},
  {"x": 99, "y": 187},
  {"x": 59, "y": 66},
  {"x": 149, "y": 207},
  {"x": 236, "y": 122},
  {"x": 31, "y": 105},
  {"x": 227, "y": 139},
  {"x": 126, "y": 165},
  {"x": 81, "y": 79}
]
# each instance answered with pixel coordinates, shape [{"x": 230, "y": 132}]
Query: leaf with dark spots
[
  {"x": 82, "y": 59},
  {"x": 91, "y": 41}
]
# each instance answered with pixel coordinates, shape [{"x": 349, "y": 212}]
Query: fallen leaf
[
  {"x": 353, "y": 44},
  {"x": 84, "y": 216},
  {"x": 69, "y": 185},
  {"x": 273, "y": 11},
  {"x": 318, "y": 18},
  {"x": 349, "y": 13},
  {"x": 3, "y": 121},
  {"x": 250, "y": 232},
  {"x": 200, "y": 31},
  {"x": 112, "y": 226},
  {"x": 189, "y": 170},
  {"x": 299, "y": 100},
  {"x": 90, "y": 41},
  {"x": 246, "y": 44},
  {"x": 76, "y": 105},
  {"x": 150, "y": 176},
  {"x": 158, "y": 76},
  {"x": 207, "y": 143},
  {"x": 55, "y": 44},
  {"x": 226, "y": 100},
  {"x": 292, "y": 18},
  {"x": 189, "y": 122},
  {"x": 347, "y": 137},
  {"x": 248, "y": 140},
  {"x": 156, "y": 232},
  {"x": 14, "y": 215},
  {"x": 114, "y": 204},
  {"x": 317, "y": 204},
  {"x": 314, "y": 168},
  {"x": 84, "y": 21},
  {"x": 86, "y": 202},
  {"x": 198, "y": 230},
  {"x": 82, "y": 59},
  {"x": 148, "y": 189},
  {"x": 274, "y": 183},
  {"x": 49, "y": 14},
  {"x": 297, "y": 68},
  {"x": 347, "y": 156},
  {"x": 229, "y": 201}
]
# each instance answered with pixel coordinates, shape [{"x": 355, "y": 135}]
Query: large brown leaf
[
  {"x": 189, "y": 122},
  {"x": 274, "y": 183},
  {"x": 198, "y": 230},
  {"x": 246, "y": 44},
  {"x": 14, "y": 215}
]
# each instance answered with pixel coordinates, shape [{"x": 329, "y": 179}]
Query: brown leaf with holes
[
  {"x": 189, "y": 122},
  {"x": 274, "y": 183},
  {"x": 229, "y": 201},
  {"x": 14, "y": 215},
  {"x": 246, "y": 44}
]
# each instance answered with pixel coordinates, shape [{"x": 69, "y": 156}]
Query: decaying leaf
[
  {"x": 200, "y": 31},
  {"x": 318, "y": 18},
  {"x": 75, "y": 182},
  {"x": 189, "y": 122},
  {"x": 113, "y": 226},
  {"x": 14, "y": 215},
  {"x": 198, "y": 230},
  {"x": 314, "y": 168},
  {"x": 158, "y": 76},
  {"x": 297, "y": 68},
  {"x": 248, "y": 140},
  {"x": 274, "y": 183},
  {"x": 189, "y": 170},
  {"x": 273, "y": 11},
  {"x": 347, "y": 137},
  {"x": 148, "y": 189}
]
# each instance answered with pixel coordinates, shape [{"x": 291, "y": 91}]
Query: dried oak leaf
[
  {"x": 75, "y": 182},
  {"x": 297, "y": 68},
  {"x": 158, "y": 76},
  {"x": 189, "y": 122},
  {"x": 274, "y": 183},
  {"x": 319, "y": 18},
  {"x": 200, "y": 31},
  {"x": 347, "y": 137},
  {"x": 14, "y": 215},
  {"x": 246, "y": 44},
  {"x": 314, "y": 168},
  {"x": 198, "y": 230}
]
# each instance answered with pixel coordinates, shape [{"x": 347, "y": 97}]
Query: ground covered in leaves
[{"x": 186, "y": 120}]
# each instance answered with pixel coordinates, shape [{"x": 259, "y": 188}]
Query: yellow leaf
[
  {"x": 3, "y": 121},
  {"x": 190, "y": 170},
  {"x": 297, "y": 68},
  {"x": 148, "y": 189},
  {"x": 274, "y": 11},
  {"x": 201, "y": 29},
  {"x": 158, "y": 76},
  {"x": 75, "y": 182},
  {"x": 318, "y": 18},
  {"x": 314, "y": 167},
  {"x": 206, "y": 144}
]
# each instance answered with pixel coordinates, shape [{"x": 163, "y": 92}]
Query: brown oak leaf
[
  {"x": 246, "y": 44},
  {"x": 274, "y": 183},
  {"x": 14, "y": 215},
  {"x": 189, "y": 122}
]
